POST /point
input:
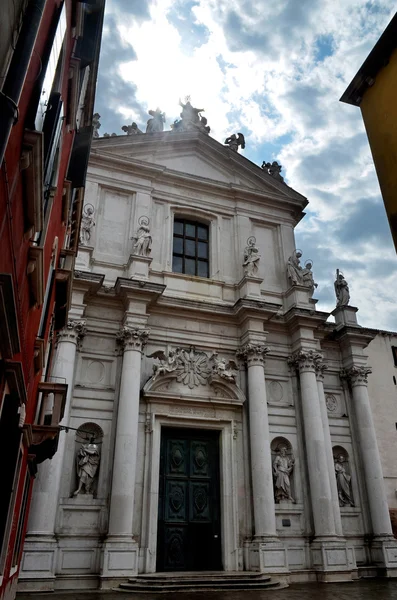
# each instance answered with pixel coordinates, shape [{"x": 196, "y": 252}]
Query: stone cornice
[
  {"x": 362, "y": 335},
  {"x": 92, "y": 281},
  {"x": 136, "y": 286}
]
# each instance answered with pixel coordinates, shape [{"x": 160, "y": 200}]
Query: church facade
[{"x": 216, "y": 421}]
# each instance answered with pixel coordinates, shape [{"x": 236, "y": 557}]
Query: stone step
[{"x": 183, "y": 582}]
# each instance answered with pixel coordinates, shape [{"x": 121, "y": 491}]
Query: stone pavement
[{"x": 360, "y": 590}]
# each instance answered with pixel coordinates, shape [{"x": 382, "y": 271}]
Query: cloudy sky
[{"x": 274, "y": 71}]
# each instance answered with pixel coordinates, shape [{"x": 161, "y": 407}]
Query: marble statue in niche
[
  {"x": 87, "y": 224},
  {"x": 343, "y": 481},
  {"x": 142, "y": 240},
  {"x": 341, "y": 290},
  {"x": 251, "y": 257},
  {"x": 283, "y": 466},
  {"x": 273, "y": 169},
  {"x": 156, "y": 123},
  {"x": 234, "y": 141},
  {"x": 88, "y": 460}
]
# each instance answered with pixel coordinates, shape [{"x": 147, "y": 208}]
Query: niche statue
[
  {"x": 283, "y": 466},
  {"x": 88, "y": 460},
  {"x": 343, "y": 482}
]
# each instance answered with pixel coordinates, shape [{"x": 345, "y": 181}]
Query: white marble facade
[{"x": 300, "y": 383}]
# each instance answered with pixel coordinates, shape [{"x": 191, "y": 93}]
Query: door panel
[{"x": 189, "y": 512}]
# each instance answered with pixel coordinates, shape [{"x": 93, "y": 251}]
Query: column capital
[
  {"x": 130, "y": 338},
  {"x": 74, "y": 331},
  {"x": 320, "y": 368},
  {"x": 306, "y": 360},
  {"x": 253, "y": 354},
  {"x": 357, "y": 375}
]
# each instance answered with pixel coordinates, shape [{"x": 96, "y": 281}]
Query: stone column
[
  {"x": 40, "y": 541},
  {"x": 320, "y": 368},
  {"x": 320, "y": 489},
  {"x": 121, "y": 550},
  {"x": 358, "y": 376},
  {"x": 271, "y": 554},
  {"x": 261, "y": 462}
]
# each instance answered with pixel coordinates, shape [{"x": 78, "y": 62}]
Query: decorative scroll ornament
[
  {"x": 74, "y": 331},
  {"x": 356, "y": 375},
  {"x": 306, "y": 360},
  {"x": 192, "y": 367},
  {"x": 253, "y": 353},
  {"x": 129, "y": 338}
]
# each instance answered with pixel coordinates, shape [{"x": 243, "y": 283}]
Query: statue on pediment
[
  {"x": 273, "y": 169},
  {"x": 167, "y": 362},
  {"x": 132, "y": 129},
  {"x": 235, "y": 141},
  {"x": 191, "y": 118},
  {"x": 156, "y": 123}
]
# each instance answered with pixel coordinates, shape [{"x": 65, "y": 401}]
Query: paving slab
[{"x": 378, "y": 589}]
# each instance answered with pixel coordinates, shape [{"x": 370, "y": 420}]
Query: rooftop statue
[
  {"x": 156, "y": 123},
  {"x": 273, "y": 169},
  {"x": 341, "y": 290},
  {"x": 108, "y": 135},
  {"x": 191, "y": 118},
  {"x": 234, "y": 141},
  {"x": 131, "y": 129},
  {"x": 96, "y": 125}
]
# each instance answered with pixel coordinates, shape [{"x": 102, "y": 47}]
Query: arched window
[{"x": 190, "y": 253}]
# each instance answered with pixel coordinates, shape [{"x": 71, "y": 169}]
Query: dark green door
[{"x": 189, "y": 537}]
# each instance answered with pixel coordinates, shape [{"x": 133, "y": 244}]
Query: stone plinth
[
  {"x": 83, "y": 260},
  {"x": 250, "y": 287},
  {"x": 345, "y": 315},
  {"x": 332, "y": 560},
  {"x": 298, "y": 296},
  {"x": 267, "y": 555},
  {"x": 138, "y": 267}
]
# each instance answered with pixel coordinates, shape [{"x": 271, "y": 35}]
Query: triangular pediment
[{"x": 197, "y": 155}]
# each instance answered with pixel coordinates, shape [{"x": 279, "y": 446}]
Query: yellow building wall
[{"x": 379, "y": 110}]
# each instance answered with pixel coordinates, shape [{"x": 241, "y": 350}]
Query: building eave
[{"x": 375, "y": 61}]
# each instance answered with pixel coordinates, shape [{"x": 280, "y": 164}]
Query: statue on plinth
[
  {"x": 294, "y": 268},
  {"x": 142, "y": 240},
  {"x": 156, "y": 123},
  {"x": 234, "y": 141},
  {"x": 343, "y": 482},
  {"x": 341, "y": 290},
  {"x": 307, "y": 277},
  {"x": 283, "y": 466},
  {"x": 87, "y": 466},
  {"x": 132, "y": 129},
  {"x": 251, "y": 257},
  {"x": 273, "y": 169},
  {"x": 87, "y": 223}
]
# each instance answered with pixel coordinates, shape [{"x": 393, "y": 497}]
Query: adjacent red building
[{"x": 49, "y": 51}]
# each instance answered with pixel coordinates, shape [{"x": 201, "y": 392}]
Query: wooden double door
[{"x": 189, "y": 536}]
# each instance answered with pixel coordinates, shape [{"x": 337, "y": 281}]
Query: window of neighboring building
[
  {"x": 21, "y": 521},
  {"x": 394, "y": 350},
  {"x": 190, "y": 253}
]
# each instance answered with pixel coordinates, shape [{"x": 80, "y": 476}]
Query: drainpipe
[{"x": 13, "y": 84}]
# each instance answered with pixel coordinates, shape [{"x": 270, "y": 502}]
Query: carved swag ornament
[{"x": 192, "y": 367}]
